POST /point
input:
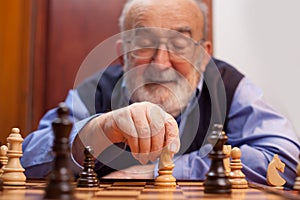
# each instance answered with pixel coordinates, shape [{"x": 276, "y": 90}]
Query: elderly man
[{"x": 166, "y": 94}]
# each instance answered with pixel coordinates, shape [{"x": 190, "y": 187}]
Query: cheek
[
  {"x": 135, "y": 69},
  {"x": 185, "y": 69},
  {"x": 134, "y": 63},
  {"x": 190, "y": 73}
]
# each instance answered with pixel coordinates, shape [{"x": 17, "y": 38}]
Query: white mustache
[{"x": 154, "y": 75}]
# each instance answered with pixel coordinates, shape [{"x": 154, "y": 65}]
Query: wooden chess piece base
[
  {"x": 278, "y": 187},
  {"x": 13, "y": 178},
  {"x": 165, "y": 178},
  {"x": 238, "y": 183},
  {"x": 87, "y": 181},
  {"x": 297, "y": 184}
]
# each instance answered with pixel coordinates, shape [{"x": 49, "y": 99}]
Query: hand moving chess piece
[
  {"x": 236, "y": 176},
  {"x": 88, "y": 177},
  {"x": 166, "y": 165},
  {"x": 273, "y": 177},
  {"x": 59, "y": 181},
  {"x": 216, "y": 179},
  {"x": 3, "y": 157},
  {"x": 13, "y": 172}
]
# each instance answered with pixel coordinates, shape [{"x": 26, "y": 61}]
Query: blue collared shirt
[{"x": 253, "y": 126}]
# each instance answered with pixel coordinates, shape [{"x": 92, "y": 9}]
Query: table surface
[{"x": 145, "y": 189}]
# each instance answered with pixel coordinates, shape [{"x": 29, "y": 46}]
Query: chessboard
[
  {"x": 125, "y": 189},
  {"x": 59, "y": 183}
]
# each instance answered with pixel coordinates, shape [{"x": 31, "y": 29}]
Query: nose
[{"x": 162, "y": 57}]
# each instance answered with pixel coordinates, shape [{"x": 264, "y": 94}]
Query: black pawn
[
  {"x": 88, "y": 177},
  {"x": 216, "y": 179},
  {"x": 59, "y": 184}
]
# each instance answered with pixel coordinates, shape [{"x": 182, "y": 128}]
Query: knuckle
[{"x": 144, "y": 132}]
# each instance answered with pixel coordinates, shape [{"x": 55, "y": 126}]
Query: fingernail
[
  {"x": 173, "y": 147},
  {"x": 153, "y": 158},
  {"x": 136, "y": 156},
  {"x": 143, "y": 160}
]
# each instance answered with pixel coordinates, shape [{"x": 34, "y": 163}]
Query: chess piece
[
  {"x": 297, "y": 181},
  {"x": 1, "y": 181},
  {"x": 88, "y": 177},
  {"x": 3, "y": 157},
  {"x": 13, "y": 172},
  {"x": 273, "y": 177},
  {"x": 226, "y": 151},
  {"x": 216, "y": 179},
  {"x": 59, "y": 184},
  {"x": 236, "y": 176},
  {"x": 166, "y": 165}
]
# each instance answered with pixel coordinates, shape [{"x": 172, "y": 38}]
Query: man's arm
[
  {"x": 37, "y": 146},
  {"x": 258, "y": 130}
]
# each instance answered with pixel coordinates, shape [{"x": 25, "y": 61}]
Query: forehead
[
  {"x": 177, "y": 15},
  {"x": 158, "y": 32}
]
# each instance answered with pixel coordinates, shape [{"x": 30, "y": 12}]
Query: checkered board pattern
[{"x": 145, "y": 190}]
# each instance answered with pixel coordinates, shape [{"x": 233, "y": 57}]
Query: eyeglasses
[{"x": 145, "y": 46}]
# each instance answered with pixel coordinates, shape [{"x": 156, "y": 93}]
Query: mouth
[
  {"x": 157, "y": 86},
  {"x": 156, "y": 76},
  {"x": 159, "y": 81}
]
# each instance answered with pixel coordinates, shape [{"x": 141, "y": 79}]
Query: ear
[
  {"x": 119, "y": 49},
  {"x": 207, "y": 47}
]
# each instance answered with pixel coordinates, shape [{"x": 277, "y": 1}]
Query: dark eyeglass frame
[{"x": 152, "y": 50}]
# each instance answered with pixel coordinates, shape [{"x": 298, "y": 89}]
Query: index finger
[{"x": 172, "y": 135}]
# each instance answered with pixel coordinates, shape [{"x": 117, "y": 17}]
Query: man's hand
[{"x": 145, "y": 127}]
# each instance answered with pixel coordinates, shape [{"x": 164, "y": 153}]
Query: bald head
[
  {"x": 170, "y": 14},
  {"x": 167, "y": 38}
]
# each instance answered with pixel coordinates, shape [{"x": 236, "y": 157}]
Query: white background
[{"x": 261, "y": 38}]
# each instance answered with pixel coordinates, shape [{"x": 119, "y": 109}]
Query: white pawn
[
  {"x": 3, "y": 157},
  {"x": 226, "y": 161},
  {"x": 166, "y": 165},
  {"x": 236, "y": 176},
  {"x": 14, "y": 172}
]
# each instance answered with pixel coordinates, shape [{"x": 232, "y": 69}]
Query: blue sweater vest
[{"x": 220, "y": 82}]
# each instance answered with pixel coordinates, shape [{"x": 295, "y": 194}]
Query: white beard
[{"x": 166, "y": 88}]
